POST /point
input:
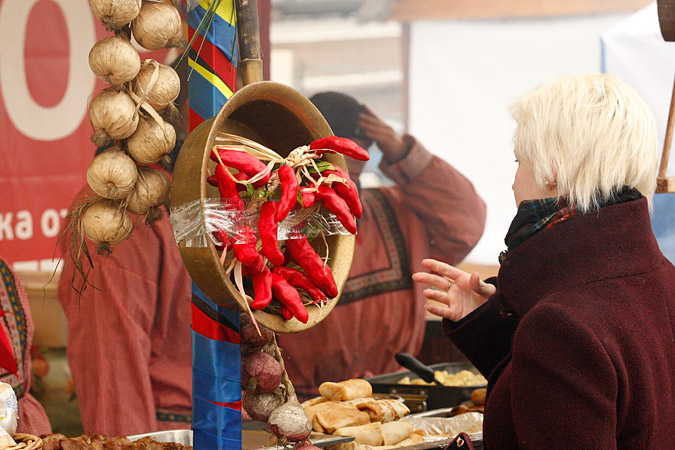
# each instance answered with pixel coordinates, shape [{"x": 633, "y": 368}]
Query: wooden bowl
[{"x": 280, "y": 118}]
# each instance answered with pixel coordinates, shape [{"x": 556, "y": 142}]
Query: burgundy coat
[{"x": 578, "y": 343}]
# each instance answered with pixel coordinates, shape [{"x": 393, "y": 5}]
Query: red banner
[{"x": 45, "y": 147}]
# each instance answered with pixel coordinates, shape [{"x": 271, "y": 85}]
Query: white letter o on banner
[{"x": 30, "y": 118}]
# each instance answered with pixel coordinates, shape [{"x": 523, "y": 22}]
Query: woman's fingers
[
  {"x": 436, "y": 310},
  {"x": 442, "y": 311},
  {"x": 435, "y": 294},
  {"x": 456, "y": 292},
  {"x": 481, "y": 288},
  {"x": 432, "y": 280},
  {"x": 444, "y": 269}
]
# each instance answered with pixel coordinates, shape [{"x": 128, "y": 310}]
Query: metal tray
[
  {"x": 254, "y": 436},
  {"x": 439, "y": 442},
  {"x": 426, "y": 397}
]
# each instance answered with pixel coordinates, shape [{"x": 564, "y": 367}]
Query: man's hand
[
  {"x": 392, "y": 145},
  {"x": 459, "y": 291}
]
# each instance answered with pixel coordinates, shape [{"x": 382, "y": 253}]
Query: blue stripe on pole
[
  {"x": 221, "y": 359},
  {"x": 221, "y": 33},
  {"x": 216, "y": 389},
  {"x": 208, "y": 441},
  {"x": 205, "y": 362},
  {"x": 231, "y": 316},
  {"x": 216, "y": 378},
  {"x": 205, "y": 99},
  {"x": 219, "y": 421}
]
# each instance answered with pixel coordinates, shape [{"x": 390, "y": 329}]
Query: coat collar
[{"x": 613, "y": 241}]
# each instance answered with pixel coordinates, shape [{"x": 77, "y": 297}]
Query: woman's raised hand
[{"x": 460, "y": 291}]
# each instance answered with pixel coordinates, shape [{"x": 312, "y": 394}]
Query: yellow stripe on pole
[
  {"x": 225, "y": 10},
  {"x": 211, "y": 78}
]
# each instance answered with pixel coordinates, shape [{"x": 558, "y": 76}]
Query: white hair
[{"x": 591, "y": 134}]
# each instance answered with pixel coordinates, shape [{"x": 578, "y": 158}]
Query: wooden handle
[
  {"x": 250, "y": 61},
  {"x": 666, "y": 12},
  {"x": 669, "y": 137}
]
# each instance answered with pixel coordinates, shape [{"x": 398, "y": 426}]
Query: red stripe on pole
[
  {"x": 195, "y": 119},
  {"x": 216, "y": 60},
  {"x": 207, "y": 327},
  {"x": 236, "y": 405}
]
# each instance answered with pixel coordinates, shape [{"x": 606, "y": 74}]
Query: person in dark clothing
[{"x": 575, "y": 335}]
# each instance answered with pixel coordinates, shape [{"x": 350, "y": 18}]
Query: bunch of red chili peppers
[{"x": 277, "y": 274}]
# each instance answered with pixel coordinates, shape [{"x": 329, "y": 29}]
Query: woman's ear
[{"x": 553, "y": 183}]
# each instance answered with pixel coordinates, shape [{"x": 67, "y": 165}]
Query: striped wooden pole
[{"x": 216, "y": 360}]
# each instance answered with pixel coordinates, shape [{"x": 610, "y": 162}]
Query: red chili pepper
[
  {"x": 225, "y": 240},
  {"x": 301, "y": 252},
  {"x": 241, "y": 176},
  {"x": 340, "y": 145},
  {"x": 262, "y": 288},
  {"x": 243, "y": 162},
  {"x": 287, "y": 259},
  {"x": 289, "y": 191},
  {"x": 299, "y": 280},
  {"x": 286, "y": 313},
  {"x": 288, "y": 296},
  {"x": 307, "y": 197},
  {"x": 228, "y": 189},
  {"x": 267, "y": 229},
  {"x": 338, "y": 206},
  {"x": 245, "y": 251},
  {"x": 212, "y": 180},
  {"x": 349, "y": 192}
]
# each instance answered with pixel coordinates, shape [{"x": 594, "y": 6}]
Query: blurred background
[{"x": 446, "y": 72}]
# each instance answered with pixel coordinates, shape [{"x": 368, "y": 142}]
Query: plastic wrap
[
  {"x": 469, "y": 423},
  {"x": 183, "y": 437},
  {"x": 197, "y": 222}
]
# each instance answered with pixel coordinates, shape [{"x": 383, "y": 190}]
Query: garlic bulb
[
  {"x": 153, "y": 139},
  {"x": 112, "y": 174},
  {"x": 158, "y": 25},
  {"x": 115, "y": 14},
  {"x": 113, "y": 115},
  {"x": 105, "y": 223},
  {"x": 150, "y": 191},
  {"x": 158, "y": 83},
  {"x": 114, "y": 60}
]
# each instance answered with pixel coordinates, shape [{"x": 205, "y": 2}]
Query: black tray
[{"x": 422, "y": 397}]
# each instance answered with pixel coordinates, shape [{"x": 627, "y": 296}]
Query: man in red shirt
[{"x": 431, "y": 210}]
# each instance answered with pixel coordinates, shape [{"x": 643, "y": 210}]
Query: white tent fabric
[
  {"x": 635, "y": 51},
  {"x": 463, "y": 76}
]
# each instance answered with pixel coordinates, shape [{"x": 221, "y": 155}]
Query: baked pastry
[
  {"x": 386, "y": 410},
  {"x": 346, "y": 390}
]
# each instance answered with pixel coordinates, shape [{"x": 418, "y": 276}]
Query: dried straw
[{"x": 24, "y": 442}]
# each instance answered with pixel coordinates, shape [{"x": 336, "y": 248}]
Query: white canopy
[{"x": 635, "y": 51}]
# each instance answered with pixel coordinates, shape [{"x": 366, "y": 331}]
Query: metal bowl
[
  {"x": 421, "y": 398},
  {"x": 280, "y": 118}
]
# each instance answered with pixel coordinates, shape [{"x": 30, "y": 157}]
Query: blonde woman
[{"x": 576, "y": 333}]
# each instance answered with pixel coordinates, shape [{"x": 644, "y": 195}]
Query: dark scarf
[{"x": 536, "y": 215}]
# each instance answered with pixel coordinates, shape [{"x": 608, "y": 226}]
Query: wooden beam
[
  {"x": 665, "y": 185},
  {"x": 410, "y": 10}
]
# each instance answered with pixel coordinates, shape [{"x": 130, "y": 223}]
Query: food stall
[
  {"x": 264, "y": 169},
  {"x": 279, "y": 126},
  {"x": 261, "y": 176}
]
